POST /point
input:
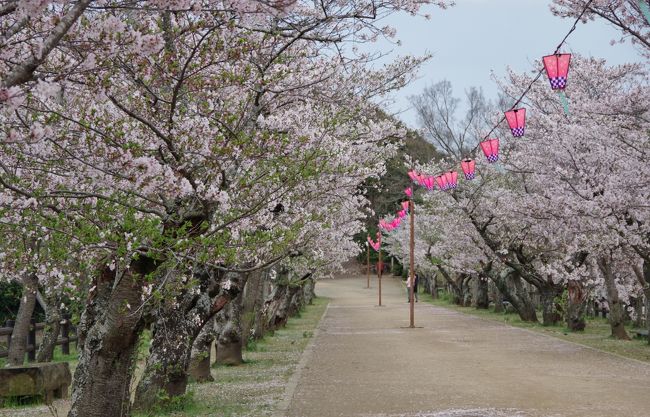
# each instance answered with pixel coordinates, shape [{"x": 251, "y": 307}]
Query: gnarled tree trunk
[
  {"x": 482, "y": 300},
  {"x": 18, "y": 346},
  {"x": 547, "y": 295},
  {"x": 113, "y": 326},
  {"x": 509, "y": 283},
  {"x": 576, "y": 307},
  {"x": 199, "y": 368},
  {"x": 174, "y": 332},
  {"x": 308, "y": 290},
  {"x": 229, "y": 333},
  {"x": 616, "y": 310},
  {"x": 252, "y": 304}
]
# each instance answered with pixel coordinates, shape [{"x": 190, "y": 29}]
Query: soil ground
[{"x": 364, "y": 362}]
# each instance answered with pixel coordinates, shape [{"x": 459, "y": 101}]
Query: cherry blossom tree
[
  {"x": 175, "y": 142},
  {"x": 631, "y": 17}
]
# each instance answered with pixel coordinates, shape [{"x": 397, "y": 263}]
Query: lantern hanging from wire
[
  {"x": 469, "y": 168},
  {"x": 441, "y": 180},
  {"x": 451, "y": 178},
  {"x": 557, "y": 70},
  {"x": 405, "y": 205},
  {"x": 401, "y": 214},
  {"x": 490, "y": 148},
  {"x": 413, "y": 175},
  {"x": 409, "y": 192},
  {"x": 517, "y": 121},
  {"x": 429, "y": 182}
]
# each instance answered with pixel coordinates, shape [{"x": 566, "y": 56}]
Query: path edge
[
  {"x": 290, "y": 389},
  {"x": 571, "y": 342}
]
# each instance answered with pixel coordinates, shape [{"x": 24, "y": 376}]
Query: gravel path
[{"x": 365, "y": 363}]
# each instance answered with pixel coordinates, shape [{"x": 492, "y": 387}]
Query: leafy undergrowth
[
  {"x": 597, "y": 334},
  {"x": 254, "y": 388}
]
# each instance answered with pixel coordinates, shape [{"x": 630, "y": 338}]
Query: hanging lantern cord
[{"x": 539, "y": 74}]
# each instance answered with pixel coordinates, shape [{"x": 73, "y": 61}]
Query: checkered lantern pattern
[
  {"x": 557, "y": 69},
  {"x": 558, "y": 83},
  {"x": 517, "y": 132},
  {"x": 490, "y": 149},
  {"x": 469, "y": 168}
]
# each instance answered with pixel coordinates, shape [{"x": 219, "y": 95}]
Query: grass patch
[
  {"x": 597, "y": 334},
  {"x": 58, "y": 356}
]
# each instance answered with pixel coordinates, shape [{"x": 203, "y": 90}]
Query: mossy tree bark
[
  {"x": 175, "y": 329},
  {"x": 200, "y": 360}
]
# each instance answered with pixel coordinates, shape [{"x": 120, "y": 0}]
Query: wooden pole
[
  {"x": 379, "y": 272},
  {"x": 368, "y": 263},
  {"x": 412, "y": 265}
]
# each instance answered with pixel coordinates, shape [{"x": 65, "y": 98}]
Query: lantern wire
[
  {"x": 539, "y": 74},
  {"x": 537, "y": 77}
]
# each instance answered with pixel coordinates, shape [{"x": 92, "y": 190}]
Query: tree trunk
[
  {"x": 309, "y": 292},
  {"x": 252, "y": 303},
  {"x": 174, "y": 332},
  {"x": 285, "y": 300},
  {"x": 616, "y": 310},
  {"x": 509, "y": 284},
  {"x": 114, "y": 324},
  {"x": 647, "y": 312},
  {"x": 456, "y": 291},
  {"x": 482, "y": 299},
  {"x": 199, "y": 368},
  {"x": 229, "y": 334},
  {"x": 18, "y": 346},
  {"x": 644, "y": 279},
  {"x": 549, "y": 316},
  {"x": 51, "y": 332},
  {"x": 165, "y": 373},
  {"x": 576, "y": 307},
  {"x": 498, "y": 299}
]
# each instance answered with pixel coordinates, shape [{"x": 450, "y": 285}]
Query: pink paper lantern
[
  {"x": 413, "y": 175},
  {"x": 557, "y": 70},
  {"x": 469, "y": 168},
  {"x": 452, "y": 179},
  {"x": 405, "y": 205},
  {"x": 442, "y": 182},
  {"x": 490, "y": 148},
  {"x": 409, "y": 192},
  {"x": 421, "y": 178},
  {"x": 429, "y": 182},
  {"x": 517, "y": 121}
]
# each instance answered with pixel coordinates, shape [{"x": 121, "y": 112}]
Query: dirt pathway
[{"x": 364, "y": 363}]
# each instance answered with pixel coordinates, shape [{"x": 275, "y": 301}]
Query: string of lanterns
[{"x": 556, "y": 66}]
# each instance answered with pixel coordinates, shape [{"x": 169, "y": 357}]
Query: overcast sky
[{"x": 476, "y": 37}]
